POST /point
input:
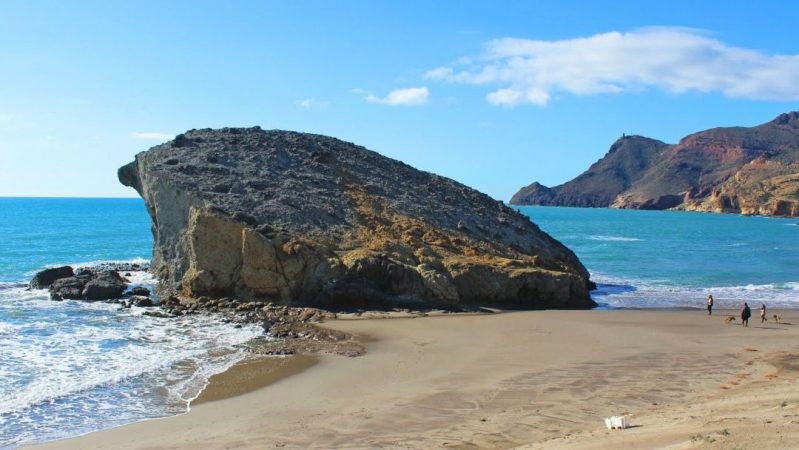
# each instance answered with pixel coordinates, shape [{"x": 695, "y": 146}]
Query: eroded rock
[
  {"x": 301, "y": 219},
  {"x": 45, "y": 278}
]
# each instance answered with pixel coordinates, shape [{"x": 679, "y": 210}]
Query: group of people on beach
[{"x": 746, "y": 312}]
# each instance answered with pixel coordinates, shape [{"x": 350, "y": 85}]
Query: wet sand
[
  {"x": 251, "y": 374},
  {"x": 536, "y": 380}
]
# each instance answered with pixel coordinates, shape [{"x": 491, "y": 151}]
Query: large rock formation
[
  {"x": 739, "y": 170},
  {"x": 305, "y": 219}
]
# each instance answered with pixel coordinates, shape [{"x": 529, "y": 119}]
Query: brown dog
[
  {"x": 776, "y": 318},
  {"x": 729, "y": 319}
]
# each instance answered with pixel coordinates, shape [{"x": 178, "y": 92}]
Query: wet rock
[
  {"x": 118, "y": 267},
  {"x": 45, "y": 278},
  {"x": 141, "y": 301},
  {"x": 70, "y": 288},
  {"x": 106, "y": 285},
  {"x": 140, "y": 290}
]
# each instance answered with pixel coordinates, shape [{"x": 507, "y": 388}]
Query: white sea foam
[
  {"x": 137, "y": 260},
  {"x": 106, "y": 261},
  {"x": 72, "y": 359},
  {"x": 80, "y": 366},
  {"x": 600, "y": 237},
  {"x": 633, "y": 293}
]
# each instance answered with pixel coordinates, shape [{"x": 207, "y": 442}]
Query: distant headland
[{"x": 744, "y": 170}]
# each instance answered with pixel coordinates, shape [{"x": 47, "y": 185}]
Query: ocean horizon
[{"x": 68, "y": 368}]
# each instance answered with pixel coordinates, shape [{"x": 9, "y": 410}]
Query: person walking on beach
[
  {"x": 709, "y": 304},
  {"x": 746, "y": 313},
  {"x": 762, "y": 312}
]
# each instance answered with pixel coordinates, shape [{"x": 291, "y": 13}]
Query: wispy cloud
[
  {"x": 408, "y": 97},
  {"x": 672, "y": 59},
  {"x": 152, "y": 135},
  {"x": 5, "y": 117},
  {"x": 312, "y": 103}
]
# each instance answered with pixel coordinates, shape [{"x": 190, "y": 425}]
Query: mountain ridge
[{"x": 745, "y": 170}]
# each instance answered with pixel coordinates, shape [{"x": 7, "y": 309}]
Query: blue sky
[{"x": 493, "y": 94}]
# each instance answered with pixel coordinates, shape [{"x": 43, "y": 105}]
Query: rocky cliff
[
  {"x": 752, "y": 170},
  {"x": 310, "y": 220}
]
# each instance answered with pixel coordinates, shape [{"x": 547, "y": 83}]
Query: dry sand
[{"x": 535, "y": 380}]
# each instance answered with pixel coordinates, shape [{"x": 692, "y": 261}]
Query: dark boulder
[
  {"x": 85, "y": 274},
  {"x": 141, "y": 301},
  {"x": 46, "y": 277},
  {"x": 70, "y": 288},
  {"x": 140, "y": 290},
  {"x": 106, "y": 285}
]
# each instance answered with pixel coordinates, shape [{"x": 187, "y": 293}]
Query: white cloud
[
  {"x": 409, "y": 97},
  {"x": 312, "y": 103},
  {"x": 152, "y": 135},
  {"x": 672, "y": 59}
]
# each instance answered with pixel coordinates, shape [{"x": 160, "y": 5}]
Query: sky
[{"x": 495, "y": 95}]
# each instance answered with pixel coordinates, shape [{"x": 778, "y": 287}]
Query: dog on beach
[
  {"x": 776, "y": 318},
  {"x": 618, "y": 422},
  {"x": 729, "y": 319}
]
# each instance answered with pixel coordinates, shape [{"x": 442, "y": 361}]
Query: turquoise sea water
[
  {"x": 674, "y": 259},
  {"x": 67, "y": 368},
  {"x": 47, "y": 231},
  {"x": 71, "y": 367}
]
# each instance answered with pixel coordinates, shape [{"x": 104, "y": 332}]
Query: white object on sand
[{"x": 617, "y": 422}]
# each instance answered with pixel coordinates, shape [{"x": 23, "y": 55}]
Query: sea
[{"x": 69, "y": 368}]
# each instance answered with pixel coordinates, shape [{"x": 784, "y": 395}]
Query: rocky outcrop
[
  {"x": 45, "y": 278},
  {"x": 89, "y": 285},
  {"x": 104, "y": 285},
  {"x": 737, "y": 170},
  {"x": 302, "y": 219}
]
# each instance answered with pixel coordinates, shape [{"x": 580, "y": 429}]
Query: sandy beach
[{"x": 535, "y": 380}]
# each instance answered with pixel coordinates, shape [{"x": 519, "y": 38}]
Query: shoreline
[
  {"x": 250, "y": 374},
  {"x": 540, "y": 379}
]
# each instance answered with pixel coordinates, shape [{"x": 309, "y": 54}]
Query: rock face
[
  {"x": 303, "y": 219},
  {"x": 737, "y": 170}
]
